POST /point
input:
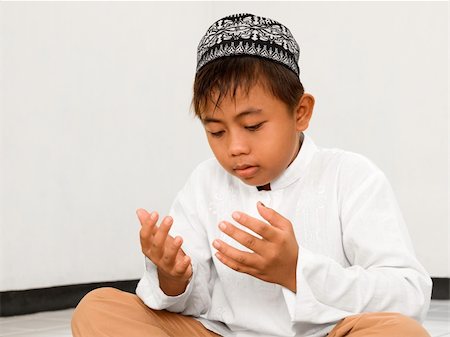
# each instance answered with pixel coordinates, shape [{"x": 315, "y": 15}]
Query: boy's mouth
[{"x": 245, "y": 171}]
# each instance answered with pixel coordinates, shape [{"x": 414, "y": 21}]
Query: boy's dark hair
[{"x": 226, "y": 75}]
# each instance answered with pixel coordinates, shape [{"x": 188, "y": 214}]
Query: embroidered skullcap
[{"x": 248, "y": 34}]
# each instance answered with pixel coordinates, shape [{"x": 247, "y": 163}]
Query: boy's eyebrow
[{"x": 246, "y": 112}]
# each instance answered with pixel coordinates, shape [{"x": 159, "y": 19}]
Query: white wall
[{"x": 95, "y": 120}]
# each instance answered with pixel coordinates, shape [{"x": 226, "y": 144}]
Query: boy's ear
[{"x": 303, "y": 111}]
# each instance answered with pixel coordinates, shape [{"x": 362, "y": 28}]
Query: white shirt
[{"x": 355, "y": 254}]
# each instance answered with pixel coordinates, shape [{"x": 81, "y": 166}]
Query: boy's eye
[
  {"x": 216, "y": 134},
  {"x": 254, "y": 127}
]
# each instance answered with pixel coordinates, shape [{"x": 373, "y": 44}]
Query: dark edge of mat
[
  {"x": 55, "y": 298},
  {"x": 64, "y": 297}
]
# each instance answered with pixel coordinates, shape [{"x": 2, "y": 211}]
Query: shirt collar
[{"x": 297, "y": 169}]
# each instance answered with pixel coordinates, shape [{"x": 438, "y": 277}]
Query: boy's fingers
[
  {"x": 273, "y": 217},
  {"x": 142, "y": 215},
  {"x": 244, "y": 258},
  {"x": 184, "y": 266},
  {"x": 265, "y": 230},
  {"x": 250, "y": 241},
  {"x": 146, "y": 219},
  {"x": 180, "y": 253},
  {"x": 171, "y": 250},
  {"x": 148, "y": 225},
  {"x": 235, "y": 265},
  {"x": 161, "y": 236}
]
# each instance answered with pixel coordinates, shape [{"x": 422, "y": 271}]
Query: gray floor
[{"x": 57, "y": 323}]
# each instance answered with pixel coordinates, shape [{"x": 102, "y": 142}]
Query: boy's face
[{"x": 255, "y": 137}]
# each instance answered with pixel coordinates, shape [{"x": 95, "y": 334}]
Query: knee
[
  {"x": 397, "y": 324},
  {"x": 99, "y": 293},
  {"x": 88, "y": 304},
  {"x": 95, "y": 296},
  {"x": 410, "y": 326}
]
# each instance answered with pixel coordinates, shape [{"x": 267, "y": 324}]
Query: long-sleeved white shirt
[{"x": 354, "y": 256}]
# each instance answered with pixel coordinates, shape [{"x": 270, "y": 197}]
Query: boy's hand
[
  {"x": 274, "y": 257},
  {"x": 174, "y": 266}
]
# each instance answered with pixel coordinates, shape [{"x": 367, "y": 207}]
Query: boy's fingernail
[
  {"x": 222, "y": 226},
  {"x": 236, "y": 216},
  {"x": 153, "y": 216},
  {"x": 262, "y": 204}
]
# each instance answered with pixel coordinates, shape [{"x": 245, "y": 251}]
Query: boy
[{"x": 274, "y": 236}]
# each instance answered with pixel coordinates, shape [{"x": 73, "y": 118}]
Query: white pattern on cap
[{"x": 248, "y": 34}]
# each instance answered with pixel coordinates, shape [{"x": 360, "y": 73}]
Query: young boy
[{"x": 275, "y": 236}]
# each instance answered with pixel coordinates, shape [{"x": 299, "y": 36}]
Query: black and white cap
[{"x": 248, "y": 34}]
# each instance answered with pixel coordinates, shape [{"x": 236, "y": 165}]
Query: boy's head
[{"x": 249, "y": 97}]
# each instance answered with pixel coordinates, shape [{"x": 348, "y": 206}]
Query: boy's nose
[{"x": 238, "y": 146}]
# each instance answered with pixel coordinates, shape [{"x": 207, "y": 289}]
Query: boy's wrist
[
  {"x": 172, "y": 286},
  {"x": 292, "y": 286},
  {"x": 290, "y": 283}
]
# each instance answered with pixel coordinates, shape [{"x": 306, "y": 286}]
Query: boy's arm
[
  {"x": 154, "y": 287},
  {"x": 384, "y": 274}
]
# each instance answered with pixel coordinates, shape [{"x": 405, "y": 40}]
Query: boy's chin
[{"x": 254, "y": 181}]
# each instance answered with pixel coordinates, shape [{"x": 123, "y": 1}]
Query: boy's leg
[
  {"x": 378, "y": 324},
  {"x": 108, "y": 312}
]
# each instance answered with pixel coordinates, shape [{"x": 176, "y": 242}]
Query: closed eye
[
  {"x": 216, "y": 134},
  {"x": 254, "y": 127}
]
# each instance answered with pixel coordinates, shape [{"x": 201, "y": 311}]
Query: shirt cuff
[
  {"x": 289, "y": 298},
  {"x": 149, "y": 290}
]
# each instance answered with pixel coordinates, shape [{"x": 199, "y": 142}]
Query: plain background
[{"x": 95, "y": 120}]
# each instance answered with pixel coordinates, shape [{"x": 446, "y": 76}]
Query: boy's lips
[{"x": 245, "y": 171}]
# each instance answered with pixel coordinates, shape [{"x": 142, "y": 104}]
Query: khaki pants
[{"x": 108, "y": 312}]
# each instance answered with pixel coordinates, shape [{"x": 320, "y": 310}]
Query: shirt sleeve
[
  {"x": 196, "y": 299},
  {"x": 384, "y": 274}
]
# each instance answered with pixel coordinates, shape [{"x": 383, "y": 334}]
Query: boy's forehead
[
  {"x": 241, "y": 90},
  {"x": 218, "y": 114},
  {"x": 241, "y": 102}
]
